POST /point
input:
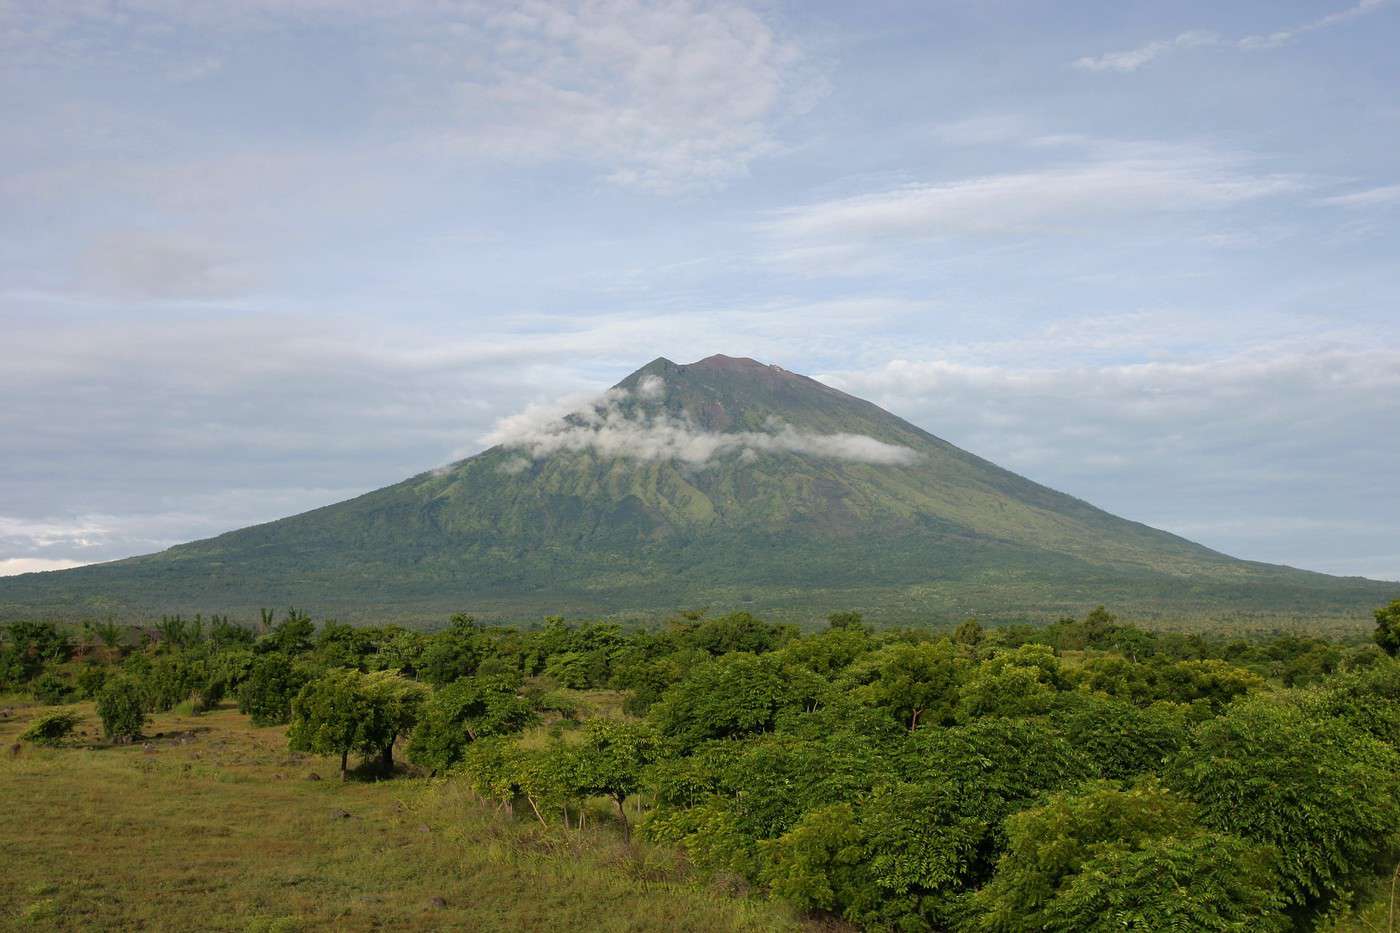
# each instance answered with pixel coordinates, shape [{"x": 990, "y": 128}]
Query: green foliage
[
  {"x": 345, "y": 710},
  {"x": 1388, "y": 628},
  {"x": 1324, "y": 794},
  {"x": 463, "y": 712},
  {"x": 1102, "y": 859},
  {"x": 970, "y": 633},
  {"x": 51, "y": 688},
  {"x": 1119, "y": 739},
  {"x": 266, "y": 694},
  {"x": 292, "y": 636},
  {"x": 51, "y": 729},
  {"x": 121, "y": 705},
  {"x": 610, "y": 761},
  {"x": 453, "y": 654},
  {"x": 734, "y": 695},
  {"x": 916, "y": 683},
  {"x": 90, "y": 680},
  {"x": 172, "y": 678}
]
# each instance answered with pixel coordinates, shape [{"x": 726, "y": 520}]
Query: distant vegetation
[{"x": 1085, "y": 775}]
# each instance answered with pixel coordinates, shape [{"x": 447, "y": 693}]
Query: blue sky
[{"x": 259, "y": 256}]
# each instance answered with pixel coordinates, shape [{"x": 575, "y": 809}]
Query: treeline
[{"x": 1086, "y": 775}]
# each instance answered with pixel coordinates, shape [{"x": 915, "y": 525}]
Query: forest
[{"x": 1087, "y": 775}]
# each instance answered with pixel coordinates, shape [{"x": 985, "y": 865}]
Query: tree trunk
[
  {"x": 626, "y": 827},
  {"x": 386, "y": 759},
  {"x": 344, "y": 767},
  {"x": 539, "y": 816}
]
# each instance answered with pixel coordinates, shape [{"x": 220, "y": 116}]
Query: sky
[{"x": 259, "y": 256}]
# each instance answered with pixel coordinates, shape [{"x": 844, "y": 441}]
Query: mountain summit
[{"x": 726, "y": 483}]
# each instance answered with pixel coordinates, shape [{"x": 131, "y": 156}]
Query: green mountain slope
[{"x": 724, "y": 483}]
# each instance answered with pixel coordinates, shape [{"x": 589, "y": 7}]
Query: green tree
[
  {"x": 1324, "y": 794},
  {"x": 464, "y": 712},
  {"x": 1102, "y": 859},
  {"x": 914, "y": 682},
  {"x": 610, "y": 760},
  {"x": 736, "y": 694},
  {"x": 266, "y": 694},
  {"x": 1388, "y": 628},
  {"x": 970, "y": 633},
  {"x": 345, "y": 710},
  {"x": 121, "y": 705},
  {"x": 454, "y": 653},
  {"x": 292, "y": 636}
]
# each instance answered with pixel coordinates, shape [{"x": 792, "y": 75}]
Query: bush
[
  {"x": 1323, "y": 793},
  {"x": 51, "y": 729},
  {"x": 90, "y": 680},
  {"x": 122, "y": 707},
  {"x": 266, "y": 695},
  {"x": 1102, "y": 859},
  {"x": 463, "y": 712},
  {"x": 50, "y": 689}
]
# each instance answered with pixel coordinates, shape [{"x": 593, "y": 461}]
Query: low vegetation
[{"x": 706, "y": 773}]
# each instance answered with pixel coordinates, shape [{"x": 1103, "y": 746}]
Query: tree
[
  {"x": 1388, "y": 628},
  {"x": 266, "y": 694},
  {"x": 610, "y": 760},
  {"x": 121, "y": 705},
  {"x": 291, "y": 636},
  {"x": 453, "y": 653},
  {"x": 1102, "y": 859},
  {"x": 464, "y": 712},
  {"x": 736, "y": 694},
  {"x": 969, "y": 633},
  {"x": 345, "y": 710},
  {"x": 1324, "y": 794},
  {"x": 911, "y": 681}
]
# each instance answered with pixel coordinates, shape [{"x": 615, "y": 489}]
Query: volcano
[{"x": 727, "y": 484}]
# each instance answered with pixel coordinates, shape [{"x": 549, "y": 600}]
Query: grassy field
[{"x": 212, "y": 825}]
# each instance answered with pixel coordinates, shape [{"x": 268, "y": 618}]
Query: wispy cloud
[
  {"x": 1371, "y": 197},
  {"x": 1134, "y": 58},
  {"x": 1114, "y": 180},
  {"x": 659, "y": 96},
  {"x": 626, "y": 424}
]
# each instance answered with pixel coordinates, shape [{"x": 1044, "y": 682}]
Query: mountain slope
[{"x": 725, "y": 483}]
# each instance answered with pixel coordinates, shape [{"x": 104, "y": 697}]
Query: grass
[{"x": 213, "y": 825}]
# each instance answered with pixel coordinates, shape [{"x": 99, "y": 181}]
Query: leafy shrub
[
  {"x": 90, "y": 680},
  {"x": 266, "y": 694},
  {"x": 1324, "y": 794},
  {"x": 463, "y": 712},
  {"x": 51, "y": 689},
  {"x": 51, "y": 729},
  {"x": 121, "y": 705},
  {"x": 1102, "y": 859}
]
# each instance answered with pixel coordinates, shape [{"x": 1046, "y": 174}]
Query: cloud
[
  {"x": 1134, "y": 58},
  {"x": 1372, "y": 197},
  {"x": 1282, "y": 37},
  {"x": 136, "y": 264},
  {"x": 1117, "y": 181},
  {"x": 11, "y": 566},
  {"x": 661, "y": 96},
  {"x": 1275, "y": 452},
  {"x": 613, "y": 426}
]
